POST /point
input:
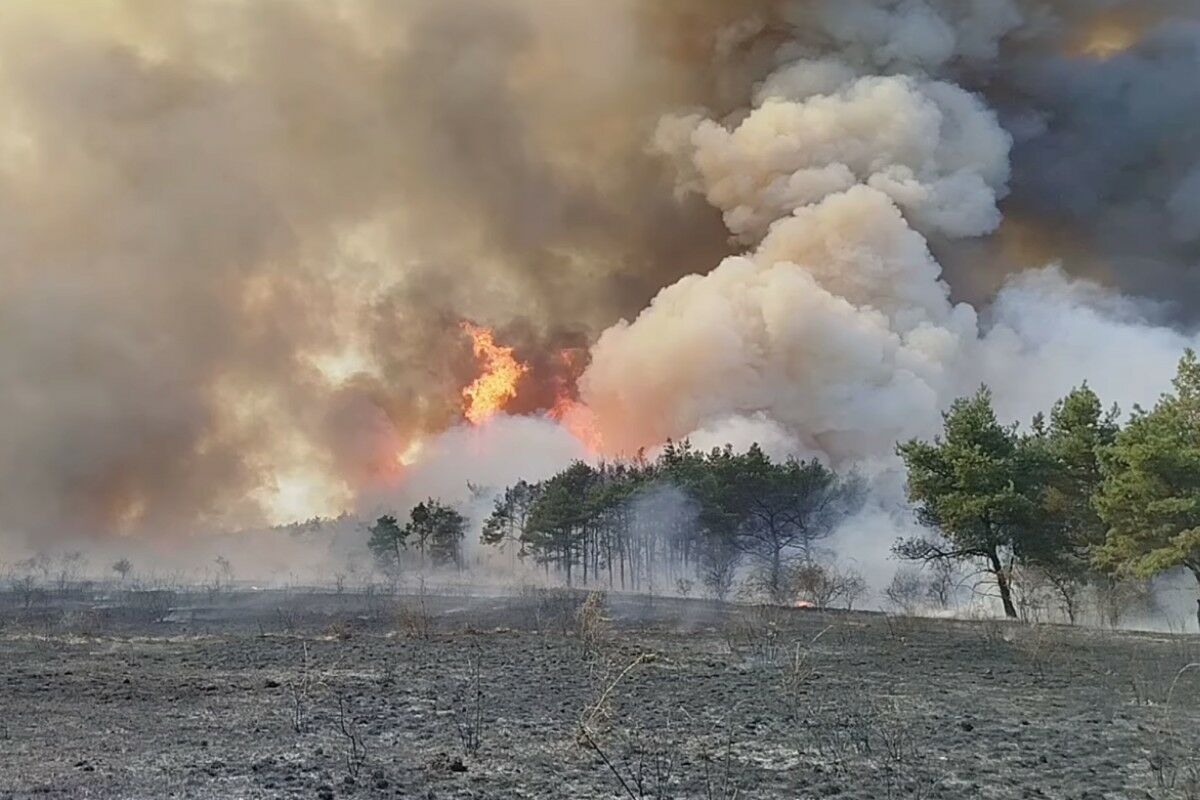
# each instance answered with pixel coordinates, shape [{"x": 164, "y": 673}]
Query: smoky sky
[{"x": 237, "y": 239}]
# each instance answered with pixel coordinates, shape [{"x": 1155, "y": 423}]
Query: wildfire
[
  {"x": 572, "y": 414},
  {"x": 497, "y": 385},
  {"x": 580, "y": 421},
  {"x": 487, "y": 394}
]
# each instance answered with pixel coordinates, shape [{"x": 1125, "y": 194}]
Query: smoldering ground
[{"x": 351, "y": 696}]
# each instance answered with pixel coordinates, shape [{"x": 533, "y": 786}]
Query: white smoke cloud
[
  {"x": 742, "y": 431},
  {"x": 915, "y": 34},
  {"x": 1050, "y": 333},
  {"x": 935, "y": 149},
  {"x": 496, "y": 454},
  {"x": 837, "y": 326},
  {"x": 821, "y": 349}
]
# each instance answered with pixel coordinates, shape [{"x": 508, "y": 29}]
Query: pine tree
[
  {"x": 1150, "y": 496},
  {"x": 978, "y": 485},
  {"x": 387, "y": 540}
]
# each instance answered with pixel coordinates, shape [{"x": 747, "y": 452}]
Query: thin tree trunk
[
  {"x": 1196, "y": 573},
  {"x": 621, "y": 554},
  {"x": 1010, "y": 610},
  {"x": 777, "y": 576},
  {"x": 609, "y": 558}
]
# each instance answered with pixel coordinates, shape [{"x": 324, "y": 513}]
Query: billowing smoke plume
[
  {"x": 838, "y": 317},
  {"x": 838, "y": 324},
  {"x": 238, "y": 239}
]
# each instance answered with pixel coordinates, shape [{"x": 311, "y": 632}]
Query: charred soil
[{"x": 547, "y": 695}]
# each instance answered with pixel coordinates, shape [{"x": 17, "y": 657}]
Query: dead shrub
[
  {"x": 306, "y": 686},
  {"x": 1115, "y": 599},
  {"x": 995, "y": 632},
  {"x": 826, "y": 585},
  {"x": 1041, "y": 645},
  {"x": 468, "y": 704},
  {"x": 799, "y": 669},
  {"x": 341, "y": 629},
  {"x": 151, "y": 605},
  {"x": 907, "y": 591},
  {"x": 356, "y": 748},
  {"x": 652, "y": 763},
  {"x": 413, "y": 618},
  {"x": 593, "y": 623},
  {"x": 301, "y": 687},
  {"x": 288, "y": 619},
  {"x": 862, "y": 735},
  {"x": 900, "y": 627},
  {"x": 89, "y": 622},
  {"x": 552, "y": 610},
  {"x": 1172, "y": 757},
  {"x": 28, "y": 593},
  {"x": 755, "y": 634}
]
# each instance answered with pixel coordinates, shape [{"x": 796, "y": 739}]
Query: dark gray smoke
[{"x": 238, "y": 239}]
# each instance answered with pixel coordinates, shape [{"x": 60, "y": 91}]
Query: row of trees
[
  {"x": 1077, "y": 498},
  {"x": 684, "y": 515},
  {"x": 433, "y": 535},
  {"x": 687, "y": 515}
]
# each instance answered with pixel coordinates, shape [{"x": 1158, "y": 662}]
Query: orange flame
[
  {"x": 572, "y": 414},
  {"x": 580, "y": 421},
  {"x": 487, "y": 395}
]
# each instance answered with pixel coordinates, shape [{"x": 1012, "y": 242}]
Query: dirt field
[{"x": 261, "y": 695}]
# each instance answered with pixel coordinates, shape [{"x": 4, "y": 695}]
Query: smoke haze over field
[{"x": 239, "y": 238}]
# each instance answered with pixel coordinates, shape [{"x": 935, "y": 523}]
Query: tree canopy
[
  {"x": 1150, "y": 495},
  {"x": 386, "y": 541},
  {"x": 687, "y": 514},
  {"x": 434, "y": 529},
  {"x": 980, "y": 485}
]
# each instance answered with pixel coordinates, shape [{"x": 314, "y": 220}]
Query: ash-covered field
[{"x": 547, "y": 694}]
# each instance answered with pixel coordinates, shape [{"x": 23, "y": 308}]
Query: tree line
[
  {"x": 1077, "y": 498},
  {"x": 685, "y": 516}
]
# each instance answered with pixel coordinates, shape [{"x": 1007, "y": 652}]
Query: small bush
[
  {"x": 755, "y": 634},
  {"x": 552, "y": 610},
  {"x": 824, "y": 586},
  {"x": 907, "y": 591},
  {"x": 151, "y": 605},
  {"x": 594, "y": 624},
  {"x": 413, "y": 618},
  {"x": 468, "y": 704}
]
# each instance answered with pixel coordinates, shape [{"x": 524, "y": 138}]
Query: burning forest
[
  {"x": 253, "y": 294},
  {"x": 753, "y": 320},
  {"x": 242, "y": 291}
]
